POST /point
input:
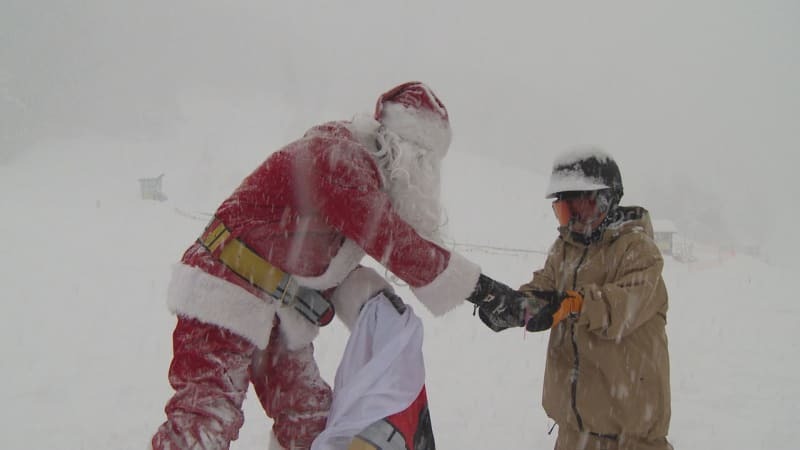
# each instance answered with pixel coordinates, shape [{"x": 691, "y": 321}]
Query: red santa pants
[{"x": 210, "y": 372}]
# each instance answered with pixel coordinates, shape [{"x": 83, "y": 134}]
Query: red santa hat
[{"x": 413, "y": 112}]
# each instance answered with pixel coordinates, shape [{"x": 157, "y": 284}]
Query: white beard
[{"x": 413, "y": 178}]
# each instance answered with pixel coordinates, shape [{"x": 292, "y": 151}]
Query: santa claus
[{"x": 282, "y": 253}]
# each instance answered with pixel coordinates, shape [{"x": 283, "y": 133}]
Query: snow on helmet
[
  {"x": 413, "y": 112},
  {"x": 583, "y": 170}
]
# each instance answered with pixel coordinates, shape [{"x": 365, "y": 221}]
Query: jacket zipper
[{"x": 576, "y": 366}]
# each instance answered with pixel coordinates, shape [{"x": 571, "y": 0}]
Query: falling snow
[{"x": 86, "y": 334}]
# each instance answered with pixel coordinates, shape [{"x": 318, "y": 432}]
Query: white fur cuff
[
  {"x": 451, "y": 287},
  {"x": 361, "y": 285}
]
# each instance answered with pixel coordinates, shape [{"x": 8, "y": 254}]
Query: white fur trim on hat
[
  {"x": 424, "y": 128},
  {"x": 361, "y": 285},
  {"x": 346, "y": 259},
  {"x": 199, "y": 295},
  {"x": 451, "y": 287}
]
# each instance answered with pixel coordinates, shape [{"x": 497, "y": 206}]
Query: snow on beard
[{"x": 413, "y": 175}]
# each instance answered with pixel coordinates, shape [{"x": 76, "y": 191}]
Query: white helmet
[{"x": 585, "y": 170}]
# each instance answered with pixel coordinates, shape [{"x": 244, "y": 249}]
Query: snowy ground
[{"x": 85, "y": 334}]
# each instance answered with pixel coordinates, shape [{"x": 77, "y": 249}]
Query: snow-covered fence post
[{"x": 151, "y": 188}]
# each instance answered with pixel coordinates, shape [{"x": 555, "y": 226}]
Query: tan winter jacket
[{"x": 607, "y": 370}]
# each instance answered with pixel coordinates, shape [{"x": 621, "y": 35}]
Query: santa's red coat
[{"x": 313, "y": 209}]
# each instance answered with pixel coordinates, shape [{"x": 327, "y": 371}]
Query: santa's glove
[
  {"x": 557, "y": 307},
  {"x": 499, "y": 306}
]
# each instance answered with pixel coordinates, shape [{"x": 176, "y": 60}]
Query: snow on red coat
[{"x": 313, "y": 209}]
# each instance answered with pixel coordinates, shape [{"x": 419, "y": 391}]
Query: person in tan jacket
[{"x": 606, "y": 381}]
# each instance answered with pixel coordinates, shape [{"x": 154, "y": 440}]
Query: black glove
[
  {"x": 543, "y": 318},
  {"x": 499, "y": 306}
]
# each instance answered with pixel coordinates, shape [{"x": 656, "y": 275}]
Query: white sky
[{"x": 698, "y": 100}]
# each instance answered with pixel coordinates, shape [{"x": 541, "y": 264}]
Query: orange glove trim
[{"x": 571, "y": 305}]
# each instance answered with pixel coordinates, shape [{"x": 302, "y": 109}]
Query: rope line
[
  {"x": 204, "y": 216},
  {"x": 496, "y": 248}
]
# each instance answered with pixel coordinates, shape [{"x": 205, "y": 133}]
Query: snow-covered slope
[{"x": 85, "y": 335}]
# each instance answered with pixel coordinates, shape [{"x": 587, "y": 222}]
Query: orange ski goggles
[{"x": 578, "y": 206}]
